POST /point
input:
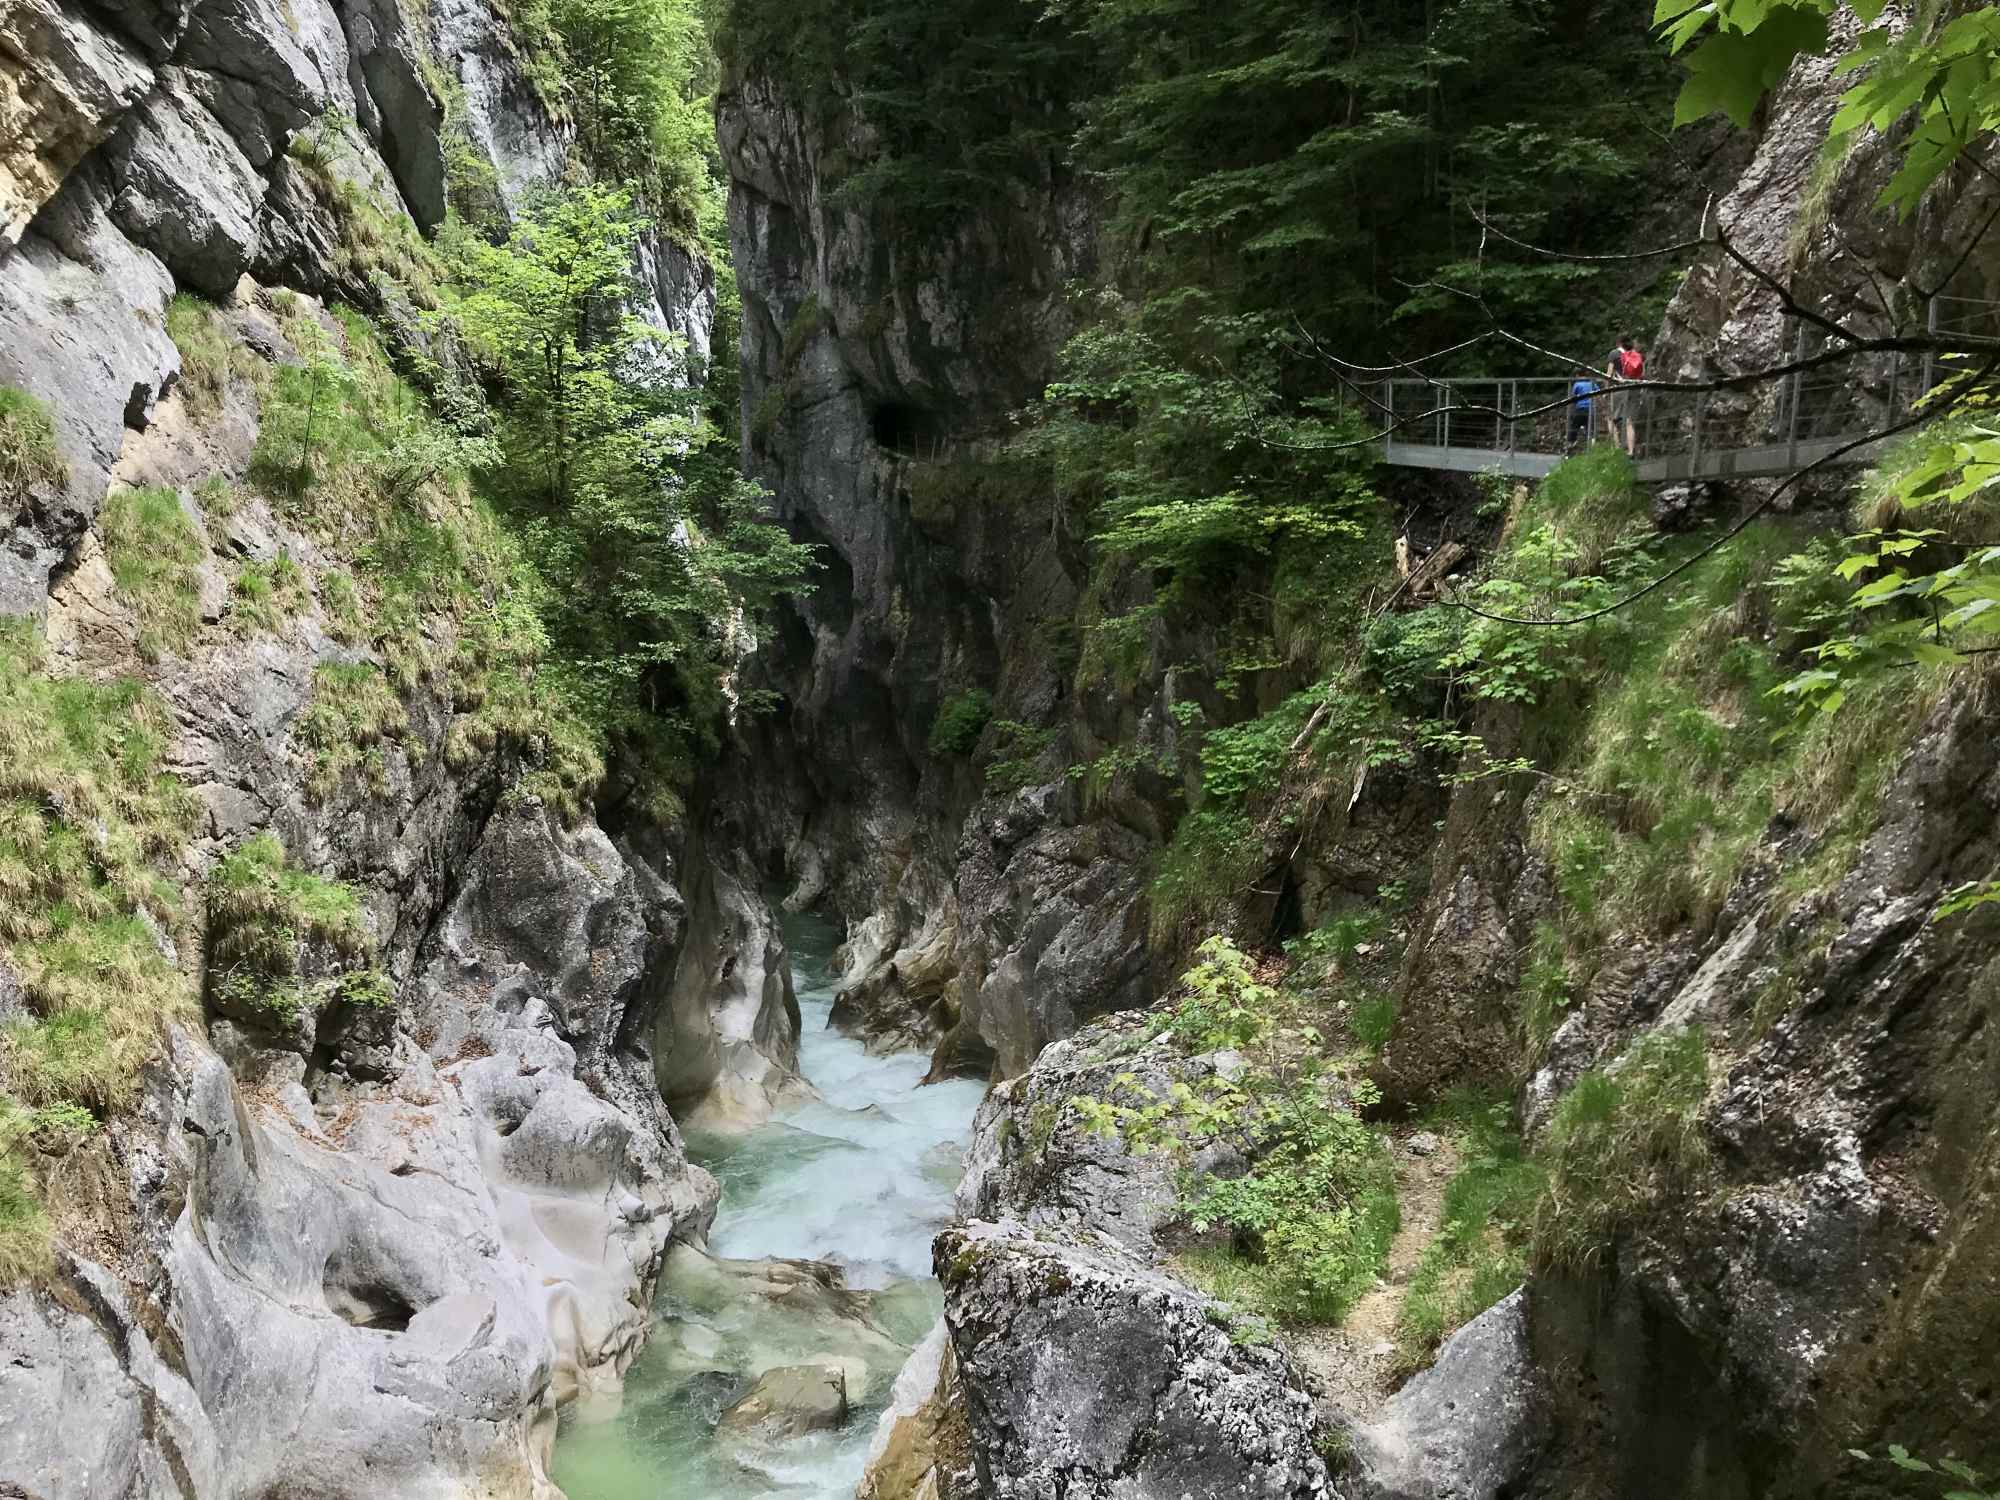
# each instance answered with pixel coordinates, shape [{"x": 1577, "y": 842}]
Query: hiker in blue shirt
[{"x": 1580, "y": 392}]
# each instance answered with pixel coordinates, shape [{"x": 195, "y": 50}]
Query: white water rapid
[{"x": 862, "y": 1178}]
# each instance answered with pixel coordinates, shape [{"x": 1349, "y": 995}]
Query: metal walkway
[{"x": 1522, "y": 426}]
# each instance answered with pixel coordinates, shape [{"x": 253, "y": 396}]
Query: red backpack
[{"x": 1631, "y": 364}]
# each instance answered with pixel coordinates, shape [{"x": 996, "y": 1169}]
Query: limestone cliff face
[
  {"x": 876, "y": 363},
  {"x": 1813, "y": 226},
  {"x": 1832, "y": 1285},
  {"x": 372, "y": 1252}
]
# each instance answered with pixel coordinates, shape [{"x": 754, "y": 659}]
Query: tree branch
[{"x": 1592, "y": 260}]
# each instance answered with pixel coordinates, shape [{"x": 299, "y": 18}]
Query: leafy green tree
[
  {"x": 648, "y": 542},
  {"x": 1970, "y": 1483},
  {"x": 961, "y": 100},
  {"x": 636, "y": 71},
  {"x": 546, "y": 309}
]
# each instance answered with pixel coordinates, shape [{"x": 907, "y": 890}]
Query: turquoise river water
[{"x": 861, "y": 1178}]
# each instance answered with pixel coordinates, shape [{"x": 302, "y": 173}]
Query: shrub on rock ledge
[{"x": 284, "y": 942}]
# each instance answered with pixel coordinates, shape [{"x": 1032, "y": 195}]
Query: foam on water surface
[{"x": 859, "y": 1178}]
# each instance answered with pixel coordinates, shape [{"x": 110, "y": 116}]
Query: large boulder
[
  {"x": 1088, "y": 1374},
  {"x": 921, "y": 1449},
  {"x": 1033, "y": 1159},
  {"x": 184, "y": 189},
  {"x": 94, "y": 1399},
  {"x": 82, "y": 309},
  {"x": 726, "y": 1043},
  {"x": 1052, "y": 928}
]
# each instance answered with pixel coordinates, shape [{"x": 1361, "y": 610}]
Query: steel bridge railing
[{"x": 1526, "y": 425}]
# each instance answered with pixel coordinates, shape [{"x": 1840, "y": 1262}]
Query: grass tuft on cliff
[
  {"x": 260, "y": 907},
  {"x": 24, "y": 1223},
  {"x": 433, "y": 584},
  {"x": 154, "y": 548},
  {"x": 354, "y": 709},
  {"x": 92, "y": 830},
  {"x": 210, "y": 358},
  {"x": 266, "y": 595},
  {"x": 29, "y": 455},
  {"x": 1669, "y": 778},
  {"x": 282, "y": 941},
  {"x": 1624, "y": 1140}
]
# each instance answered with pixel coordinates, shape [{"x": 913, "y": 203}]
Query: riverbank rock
[
  {"x": 1033, "y": 1159},
  {"x": 922, "y": 1449},
  {"x": 789, "y": 1402},
  {"x": 776, "y": 1312},
  {"x": 1087, "y": 1373},
  {"x": 1465, "y": 1429},
  {"x": 726, "y": 1044}
]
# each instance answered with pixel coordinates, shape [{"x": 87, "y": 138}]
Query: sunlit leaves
[
  {"x": 1732, "y": 70},
  {"x": 1916, "y": 597},
  {"x": 1950, "y": 81},
  {"x": 1952, "y": 1468}
]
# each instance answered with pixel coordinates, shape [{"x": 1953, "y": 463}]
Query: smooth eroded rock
[{"x": 789, "y": 1401}]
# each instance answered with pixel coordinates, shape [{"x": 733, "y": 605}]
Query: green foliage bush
[
  {"x": 1017, "y": 757},
  {"x": 1967, "y": 1483},
  {"x": 635, "y": 76},
  {"x": 961, "y": 100},
  {"x": 641, "y": 533},
  {"x": 1622, "y": 1143},
  {"x": 1583, "y": 542},
  {"x": 1220, "y": 1001},
  {"x": 1173, "y": 463},
  {"x": 1311, "y": 1220},
  {"x": 432, "y": 582},
  {"x": 29, "y": 454},
  {"x": 960, "y": 721}
]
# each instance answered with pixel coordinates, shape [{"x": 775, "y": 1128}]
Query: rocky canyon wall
[
  {"x": 368, "y": 1247},
  {"x": 881, "y": 362}
]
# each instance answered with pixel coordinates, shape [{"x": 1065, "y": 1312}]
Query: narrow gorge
[{"x": 821, "y": 748}]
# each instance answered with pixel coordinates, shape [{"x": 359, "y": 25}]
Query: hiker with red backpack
[{"x": 1626, "y": 364}]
